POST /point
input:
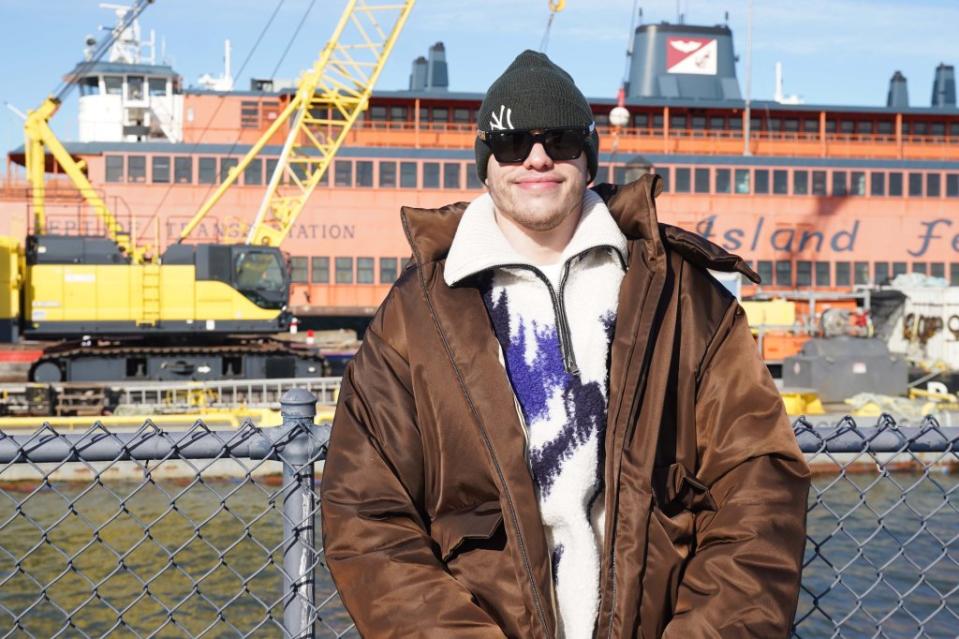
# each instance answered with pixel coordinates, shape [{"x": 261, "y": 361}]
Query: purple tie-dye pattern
[{"x": 534, "y": 383}]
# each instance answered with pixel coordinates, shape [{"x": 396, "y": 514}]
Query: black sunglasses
[{"x": 514, "y": 145}]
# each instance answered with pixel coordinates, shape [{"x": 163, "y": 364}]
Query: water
[{"x": 211, "y": 563}]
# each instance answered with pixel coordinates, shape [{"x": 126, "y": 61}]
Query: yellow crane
[
  {"x": 330, "y": 96},
  {"x": 40, "y": 139}
]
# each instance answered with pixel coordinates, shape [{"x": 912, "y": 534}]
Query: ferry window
[
  {"x": 682, "y": 180},
  {"x": 915, "y": 184},
  {"x": 898, "y": 268},
  {"x": 388, "y": 175},
  {"x": 843, "y": 274},
  {"x": 918, "y": 128},
  {"x": 755, "y": 124},
  {"x": 320, "y": 267},
  {"x": 431, "y": 175},
  {"x": 780, "y": 182},
  {"x": 698, "y": 122},
  {"x": 156, "y": 86},
  {"x": 839, "y": 183},
  {"x": 933, "y": 184},
  {"x": 800, "y": 182},
  {"x": 404, "y": 262},
  {"x": 717, "y": 123},
  {"x": 765, "y": 270},
  {"x": 114, "y": 166},
  {"x": 830, "y": 126},
  {"x": 364, "y": 270},
  {"x": 895, "y": 183},
  {"x": 810, "y": 126},
  {"x": 424, "y": 114},
  {"x": 952, "y": 185},
  {"x": 298, "y": 269},
  {"x": 472, "y": 180},
  {"x": 663, "y": 173},
  {"x": 408, "y": 175},
  {"x": 877, "y": 183},
  {"x": 441, "y": 114},
  {"x": 791, "y": 125},
  {"x": 864, "y": 126},
  {"x": 641, "y": 120},
  {"x": 884, "y": 127},
  {"x": 657, "y": 122},
  {"x": 702, "y": 180},
  {"x": 451, "y": 175},
  {"x": 742, "y": 180},
  {"x": 857, "y": 183},
  {"x": 881, "y": 273},
  {"x": 773, "y": 124},
  {"x": 818, "y": 182},
  {"x": 919, "y": 267},
  {"x": 723, "y": 181},
  {"x": 135, "y": 87},
  {"x": 90, "y": 86},
  {"x": 226, "y": 164},
  {"x": 271, "y": 164},
  {"x": 387, "y": 270},
  {"x": 207, "y": 170},
  {"x": 804, "y": 273},
  {"x": 861, "y": 272},
  {"x": 113, "y": 84},
  {"x": 461, "y": 115},
  {"x": 846, "y": 126},
  {"x": 677, "y": 122},
  {"x": 344, "y": 270},
  {"x": 378, "y": 113},
  {"x": 784, "y": 273},
  {"x": 136, "y": 168},
  {"x": 161, "y": 169},
  {"x": 937, "y": 269},
  {"x": 253, "y": 173},
  {"x": 954, "y": 274},
  {"x": 736, "y": 123},
  {"x": 364, "y": 173},
  {"x": 822, "y": 274},
  {"x": 398, "y": 113},
  {"x": 342, "y": 173},
  {"x": 183, "y": 169},
  {"x": 761, "y": 184}
]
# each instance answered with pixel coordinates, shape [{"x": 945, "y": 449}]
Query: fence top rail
[
  {"x": 887, "y": 436},
  {"x": 128, "y": 387}
]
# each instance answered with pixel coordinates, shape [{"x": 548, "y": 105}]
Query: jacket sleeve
[
  {"x": 382, "y": 560},
  {"x": 743, "y": 577}
]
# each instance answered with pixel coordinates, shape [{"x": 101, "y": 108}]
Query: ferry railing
[{"x": 209, "y": 533}]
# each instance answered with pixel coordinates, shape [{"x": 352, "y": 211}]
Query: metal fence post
[{"x": 298, "y": 409}]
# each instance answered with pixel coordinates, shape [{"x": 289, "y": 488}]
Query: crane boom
[{"x": 330, "y": 97}]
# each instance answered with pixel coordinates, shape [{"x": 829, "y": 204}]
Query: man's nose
[{"x": 538, "y": 158}]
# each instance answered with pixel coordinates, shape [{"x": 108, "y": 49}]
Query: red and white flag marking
[{"x": 691, "y": 55}]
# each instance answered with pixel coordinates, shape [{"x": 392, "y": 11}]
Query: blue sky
[{"x": 833, "y": 51}]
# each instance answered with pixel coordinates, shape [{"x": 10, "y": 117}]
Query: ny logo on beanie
[{"x": 496, "y": 121}]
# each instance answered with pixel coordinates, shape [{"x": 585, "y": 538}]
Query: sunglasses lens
[
  {"x": 511, "y": 146},
  {"x": 563, "y": 144}
]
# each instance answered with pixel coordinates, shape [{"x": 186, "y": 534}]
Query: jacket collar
[
  {"x": 431, "y": 231},
  {"x": 479, "y": 244}
]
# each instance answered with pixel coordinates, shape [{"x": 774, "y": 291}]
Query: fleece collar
[{"x": 479, "y": 244}]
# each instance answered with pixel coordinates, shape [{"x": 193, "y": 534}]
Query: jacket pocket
[
  {"x": 456, "y": 530},
  {"x": 675, "y": 490}
]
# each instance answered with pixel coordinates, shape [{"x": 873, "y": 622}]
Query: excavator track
[{"x": 240, "y": 358}]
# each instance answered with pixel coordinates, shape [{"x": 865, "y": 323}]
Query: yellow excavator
[{"x": 198, "y": 311}]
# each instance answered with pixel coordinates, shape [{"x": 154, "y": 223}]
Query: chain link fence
[{"x": 205, "y": 533}]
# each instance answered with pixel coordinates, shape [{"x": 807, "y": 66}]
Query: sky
[{"x": 839, "y": 52}]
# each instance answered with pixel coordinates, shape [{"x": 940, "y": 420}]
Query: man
[{"x": 558, "y": 424}]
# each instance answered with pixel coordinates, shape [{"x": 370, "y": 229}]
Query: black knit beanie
[{"x": 534, "y": 93}]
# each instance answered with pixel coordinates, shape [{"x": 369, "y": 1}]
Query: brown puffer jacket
[{"x": 430, "y": 521}]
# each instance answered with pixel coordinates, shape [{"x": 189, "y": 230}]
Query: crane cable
[{"x": 555, "y": 6}]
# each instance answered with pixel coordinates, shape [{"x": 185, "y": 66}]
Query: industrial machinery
[{"x": 194, "y": 311}]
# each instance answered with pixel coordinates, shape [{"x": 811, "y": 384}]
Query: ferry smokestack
[
  {"x": 944, "y": 87},
  {"x": 683, "y": 61},
  {"x": 898, "y": 96}
]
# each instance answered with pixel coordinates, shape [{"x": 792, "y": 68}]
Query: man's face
[{"x": 537, "y": 193}]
